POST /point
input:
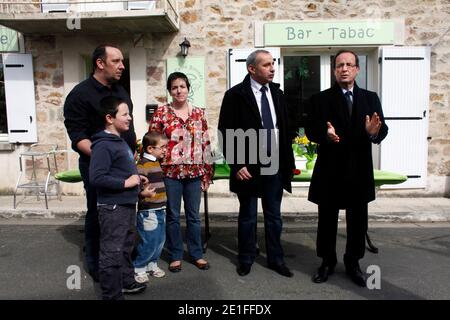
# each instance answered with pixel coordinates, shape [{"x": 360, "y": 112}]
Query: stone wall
[
  {"x": 213, "y": 27},
  {"x": 49, "y": 92}
]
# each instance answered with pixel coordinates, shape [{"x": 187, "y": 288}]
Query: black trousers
[
  {"x": 91, "y": 224},
  {"x": 356, "y": 219},
  {"x": 247, "y": 222},
  {"x": 117, "y": 235}
]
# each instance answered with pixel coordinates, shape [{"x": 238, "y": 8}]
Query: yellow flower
[{"x": 303, "y": 147}]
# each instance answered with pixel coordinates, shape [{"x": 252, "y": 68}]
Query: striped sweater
[{"x": 152, "y": 170}]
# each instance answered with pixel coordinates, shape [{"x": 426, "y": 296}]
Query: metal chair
[{"x": 46, "y": 152}]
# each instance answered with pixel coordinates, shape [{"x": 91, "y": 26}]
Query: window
[
  {"x": 305, "y": 74},
  {"x": 17, "y": 99}
]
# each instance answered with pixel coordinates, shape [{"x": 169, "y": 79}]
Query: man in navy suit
[
  {"x": 344, "y": 120},
  {"x": 256, "y": 107}
]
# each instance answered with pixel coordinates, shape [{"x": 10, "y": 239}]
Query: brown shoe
[
  {"x": 175, "y": 267},
  {"x": 202, "y": 265}
]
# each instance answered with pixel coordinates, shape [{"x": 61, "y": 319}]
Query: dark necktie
[
  {"x": 348, "y": 97},
  {"x": 266, "y": 116}
]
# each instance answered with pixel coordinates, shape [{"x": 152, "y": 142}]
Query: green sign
[
  {"x": 8, "y": 40},
  {"x": 328, "y": 33},
  {"x": 194, "y": 69}
]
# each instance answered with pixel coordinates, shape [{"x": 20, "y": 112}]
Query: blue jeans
[
  {"x": 91, "y": 222},
  {"x": 190, "y": 190},
  {"x": 151, "y": 226}
]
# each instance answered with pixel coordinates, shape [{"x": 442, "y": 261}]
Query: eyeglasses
[
  {"x": 160, "y": 148},
  {"x": 348, "y": 65}
]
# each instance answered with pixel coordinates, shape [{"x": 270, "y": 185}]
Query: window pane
[
  {"x": 361, "y": 78},
  {"x": 3, "y": 120},
  {"x": 301, "y": 80}
]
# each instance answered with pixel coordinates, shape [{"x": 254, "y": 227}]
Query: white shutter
[
  {"x": 405, "y": 87},
  {"x": 237, "y": 68},
  {"x": 102, "y": 6},
  {"x": 19, "y": 94},
  {"x": 54, "y": 6},
  {"x": 141, "y": 5}
]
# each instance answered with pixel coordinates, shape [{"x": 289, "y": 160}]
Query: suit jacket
[
  {"x": 239, "y": 110},
  {"x": 343, "y": 174}
]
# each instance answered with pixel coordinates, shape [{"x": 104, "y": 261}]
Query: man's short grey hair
[{"x": 251, "y": 59}]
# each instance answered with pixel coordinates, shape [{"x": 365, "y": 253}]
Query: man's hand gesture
[
  {"x": 331, "y": 133},
  {"x": 373, "y": 124}
]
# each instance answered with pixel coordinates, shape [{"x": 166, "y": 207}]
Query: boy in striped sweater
[{"x": 151, "y": 217}]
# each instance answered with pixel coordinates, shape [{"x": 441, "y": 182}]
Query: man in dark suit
[
  {"x": 344, "y": 120},
  {"x": 262, "y": 165}
]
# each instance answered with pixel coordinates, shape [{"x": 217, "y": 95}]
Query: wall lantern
[{"x": 185, "y": 47}]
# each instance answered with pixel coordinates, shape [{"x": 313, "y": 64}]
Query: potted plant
[{"x": 304, "y": 151}]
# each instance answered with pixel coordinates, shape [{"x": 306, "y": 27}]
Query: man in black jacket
[
  {"x": 82, "y": 121},
  {"x": 344, "y": 120},
  {"x": 261, "y": 164}
]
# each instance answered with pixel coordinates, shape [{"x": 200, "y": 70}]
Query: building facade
[{"x": 404, "y": 48}]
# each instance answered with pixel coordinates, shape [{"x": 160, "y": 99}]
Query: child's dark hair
[
  {"x": 109, "y": 105},
  {"x": 151, "y": 139}
]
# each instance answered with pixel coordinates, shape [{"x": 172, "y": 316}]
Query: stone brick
[
  {"x": 161, "y": 99},
  {"x": 311, "y": 7},
  {"x": 189, "y": 17},
  {"x": 428, "y": 35},
  {"x": 189, "y": 3},
  {"x": 155, "y": 73},
  {"x": 436, "y": 97},
  {"x": 246, "y": 10},
  {"x": 270, "y": 16},
  {"x": 50, "y": 66},
  {"x": 441, "y": 76},
  {"x": 58, "y": 79},
  {"x": 217, "y": 41},
  {"x": 263, "y": 4},
  {"x": 216, "y": 9},
  {"x": 214, "y": 74},
  {"x": 236, "y": 27},
  {"x": 236, "y": 42},
  {"x": 41, "y": 75},
  {"x": 54, "y": 98},
  {"x": 226, "y": 19}
]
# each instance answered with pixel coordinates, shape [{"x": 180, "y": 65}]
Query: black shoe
[
  {"x": 243, "y": 269},
  {"x": 357, "y": 276},
  {"x": 323, "y": 273},
  {"x": 282, "y": 269},
  {"x": 135, "y": 287}
]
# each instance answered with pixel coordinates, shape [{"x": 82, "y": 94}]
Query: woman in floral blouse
[{"x": 186, "y": 168}]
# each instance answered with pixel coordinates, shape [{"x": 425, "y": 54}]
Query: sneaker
[
  {"x": 135, "y": 287},
  {"x": 157, "y": 273},
  {"x": 141, "y": 277}
]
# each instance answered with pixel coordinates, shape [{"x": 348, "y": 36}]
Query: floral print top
[{"x": 188, "y": 152}]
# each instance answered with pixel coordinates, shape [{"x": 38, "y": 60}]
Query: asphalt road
[{"x": 413, "y": 261}]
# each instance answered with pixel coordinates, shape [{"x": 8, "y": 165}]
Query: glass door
[{"x": 305, "y": 74}]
